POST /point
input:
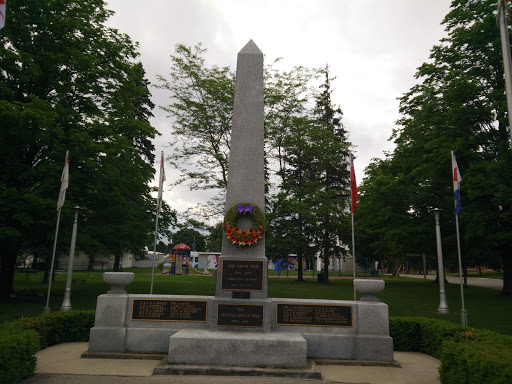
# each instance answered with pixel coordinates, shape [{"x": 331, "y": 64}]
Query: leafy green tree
[
  {"x": 387, "y": 228},
  {"x": 214, "y": 238},
  {"x": 69, "y": 82},
  {"x": 459, "y": 104},
  {"x": 202, "y": 109},
  {"x": 162, "y": 247},
  {"x": 191, "y": 237},
  {"x": 292, "y": 218},
  {"x": 202, "y": 106},
  {"x": 332, "y": 171}
]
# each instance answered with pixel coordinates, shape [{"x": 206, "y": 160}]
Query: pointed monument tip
[{"x": 250, "y": 49}]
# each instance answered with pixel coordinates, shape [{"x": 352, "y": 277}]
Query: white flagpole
[
  {"x": 62, "y": 194},
  {"x": 352, "y": 209},
  {"x": 507, "y": 60},
  {"x": 353, "y": 255},
  {"x": 47, "y": 307},
  {"x": 463, "y": 312},
  {"x": 158, "y": 206}
]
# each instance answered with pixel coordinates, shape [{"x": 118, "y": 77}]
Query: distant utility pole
[{"x": 507, "y": 60}]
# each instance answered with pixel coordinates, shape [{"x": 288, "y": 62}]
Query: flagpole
[
  {"x": 457, "y": 178},
  {"x": 463, "y": 312},
  {"x": 507, "y": 60},
  {"x": 353, "y": 201},
  {"x": 47, "y": 307},
  {"x": 154, "y": 252},
  {"x": 158, "y": 206},
  {"x": 64, "y": 181},
  {"x": 353, "y": 255}
]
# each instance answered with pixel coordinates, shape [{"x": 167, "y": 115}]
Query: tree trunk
[
  {"x": 396, "y": 267},
  {"x": 326, "y": 268},
  {"x": 47, "y": 267},
  {"x": 117, "y": 261},
  {"x": 90, "y": 267},
  {"x": 7, "y": 268},
  {"x": 300, "y": 276}
]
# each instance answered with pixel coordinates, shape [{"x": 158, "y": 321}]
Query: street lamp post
[
  {"x": 66, "y": 303},
  {"x": 443, "y": 306}
]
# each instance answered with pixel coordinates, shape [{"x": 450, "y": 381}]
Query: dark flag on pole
[
  {"x": 64, "y": 182},
  {"x": 161, "y": 185},
  {"x": 456, "y": 187},
  {"x": 353, "y": 185}
]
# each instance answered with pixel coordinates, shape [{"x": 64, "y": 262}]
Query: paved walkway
[
  {"x": 61, "y": 364},
  {"x": 474, "y": 281}
]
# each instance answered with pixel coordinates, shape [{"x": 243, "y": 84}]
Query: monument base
[
  {"x": 242, "y": 349},
  {"x": 311, "y": 372}
]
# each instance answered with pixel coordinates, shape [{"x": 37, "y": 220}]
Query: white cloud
[{"x": 373, "y": 47}]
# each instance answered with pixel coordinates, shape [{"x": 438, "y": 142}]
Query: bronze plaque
[
  {"x": 240, "y": 315},
  {"x": 242, "y": 275},
  {"x": 169, "y": 310},
  {"x": 324, "y": 315}
]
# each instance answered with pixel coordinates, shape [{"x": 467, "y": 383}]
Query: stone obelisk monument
[
  {"x": 241, "y": 326},
  {"x": 246, "y": 177},
  {"x": 242, "y": 269}
]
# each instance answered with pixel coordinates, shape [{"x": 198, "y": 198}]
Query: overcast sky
[{"x": 372, "y": 46}]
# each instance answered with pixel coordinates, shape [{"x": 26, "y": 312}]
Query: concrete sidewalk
[
  {"x": 62, "y": 364},
  {"x": 473, "y": 281}
]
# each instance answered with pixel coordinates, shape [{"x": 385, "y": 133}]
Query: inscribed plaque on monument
[
  {"x": 240, "y": 315},
  {"x": 169, "y": 310},
  {"x": 242, "y": 275},
  {"x": 314, "y": 315}
]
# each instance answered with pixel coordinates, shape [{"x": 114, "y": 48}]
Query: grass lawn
[{"x": 405, "y": 296}]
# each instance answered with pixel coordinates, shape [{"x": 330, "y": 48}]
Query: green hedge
[
  {"x": 467, "y": 355},
  {"x": 21, "y": 339},
  {"x": 59, "y": 327},
  {"x": 17, "y": 350}
]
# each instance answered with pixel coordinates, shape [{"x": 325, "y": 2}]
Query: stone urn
[
  {"x": 118, "y": 280},
  {"x": 369, "y": 288}
]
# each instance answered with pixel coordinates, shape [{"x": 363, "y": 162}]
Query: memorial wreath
[{"x": 235, "y": 234}]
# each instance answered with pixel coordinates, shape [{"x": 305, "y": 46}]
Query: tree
[
  {"x": 332, "y": 172},
  {"x": 459, "y": 104},
  {"x": 202, "y": 106},
  {"x": 202, "y": 109},
  {"x": 387, "y": 228},
  {"x": 214, "y": 238},
  {"x": 292, "y": 217},
  {"x": 191, "y": 237},
  {"x": 69, "y": 82}
]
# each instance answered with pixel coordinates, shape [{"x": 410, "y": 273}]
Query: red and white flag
[
  {"x": 353, "y": 185},
  {"x": 2, "y": 13},
  {"x": 64, "y": 181},
  {"x": 161, "y": 184}
]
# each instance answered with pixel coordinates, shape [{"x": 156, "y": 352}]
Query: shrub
[
  {"x": 467, "y": 355},
  {"x": 21, "y": 339},
  {"x": 482, "y": 361},
  {"x": 17, "y": 350},
  {"x": 59, "y": 327}
]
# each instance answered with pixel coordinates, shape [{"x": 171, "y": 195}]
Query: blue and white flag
[{"x": 456, "y": 187}]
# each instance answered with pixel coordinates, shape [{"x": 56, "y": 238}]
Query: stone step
[{"x": 239, "y": 349}]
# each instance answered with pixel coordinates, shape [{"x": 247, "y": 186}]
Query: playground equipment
[{"x": 179, "y": 257}]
